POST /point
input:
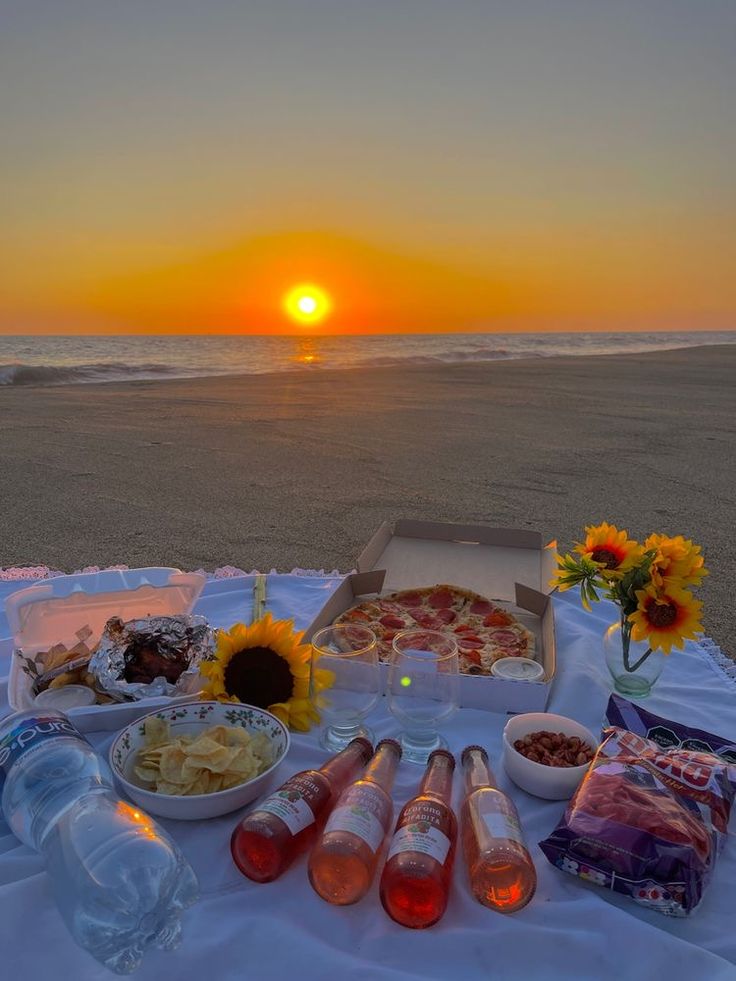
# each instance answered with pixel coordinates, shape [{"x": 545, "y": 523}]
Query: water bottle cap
[{"x": 474, "y": 749}]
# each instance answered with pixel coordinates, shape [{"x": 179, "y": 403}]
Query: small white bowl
[
  {"x": 550, "y": 782},
  {"x": 193, "y": 718}
]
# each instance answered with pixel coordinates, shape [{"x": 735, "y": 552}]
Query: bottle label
[
  {"x": 504, "y": 826},
  {"x": 358, "y": 820},
  {"x": 291, "y": 807},
  {"x": 28, "y": 734},
  {"x": 292, "y": 802},
  {"x": 423, "y": 837}
]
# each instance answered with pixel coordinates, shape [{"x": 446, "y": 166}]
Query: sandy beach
[{"x": 298, "y": 469}]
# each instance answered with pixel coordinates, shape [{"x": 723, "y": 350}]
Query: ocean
[{"x": 68, "y": 360}]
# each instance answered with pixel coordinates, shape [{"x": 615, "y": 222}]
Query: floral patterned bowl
[{"x": 192, "y": 718}]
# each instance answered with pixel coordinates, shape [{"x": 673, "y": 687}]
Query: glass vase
[{"x": 634, "y": 671}]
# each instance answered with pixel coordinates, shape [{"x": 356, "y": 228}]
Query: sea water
[{"x": 50, "y": 360}]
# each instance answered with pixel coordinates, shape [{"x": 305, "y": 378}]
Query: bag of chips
[{"x": 651, "y": 814}]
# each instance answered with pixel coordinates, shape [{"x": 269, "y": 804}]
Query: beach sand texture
[{"x": 299, "y": 469}]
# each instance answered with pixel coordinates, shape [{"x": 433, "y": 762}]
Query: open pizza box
[{"x": 511, "y": 566}]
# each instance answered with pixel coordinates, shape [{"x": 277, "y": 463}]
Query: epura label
[{"x": 30, "y": 733}]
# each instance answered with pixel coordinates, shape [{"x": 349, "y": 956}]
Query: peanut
[{"x": 554, "y": 749}]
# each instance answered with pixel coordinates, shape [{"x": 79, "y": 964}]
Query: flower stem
[
  {"x": 637, "y": 664},
  {"x": 626, "y": 644}
]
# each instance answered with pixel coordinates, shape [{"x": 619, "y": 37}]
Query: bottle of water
[{"x": 119, "y": 881}]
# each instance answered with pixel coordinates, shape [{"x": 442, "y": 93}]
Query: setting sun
[{"x": 307, "y": 304}]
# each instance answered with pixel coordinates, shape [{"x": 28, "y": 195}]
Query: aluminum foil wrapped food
[{"x": 152, "y": 656}]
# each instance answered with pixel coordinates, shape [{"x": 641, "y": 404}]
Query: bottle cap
[
  {"x": 474, "y": 749},
  {"x": 441, "y": 752},
  {"x": 366, "y": 744},
  {"x": 517, "y": 669},
  {"x": 393, "y": 743}
]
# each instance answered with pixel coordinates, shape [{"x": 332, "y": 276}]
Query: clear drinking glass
[
  {"x": 423, "y": 689},
  {"x": 350, "y": 653}
]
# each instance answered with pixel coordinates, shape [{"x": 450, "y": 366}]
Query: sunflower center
[
  {"x": 259, "y": 676},
  {"x": 604, "y": 555},
  {"x": 662, "y": 614}
]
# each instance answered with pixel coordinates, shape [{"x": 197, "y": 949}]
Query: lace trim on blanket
[
  {"x": 721, "y": 663},
  {"x": 27, "y": 573}
]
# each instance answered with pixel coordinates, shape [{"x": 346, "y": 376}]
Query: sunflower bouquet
[{"x": 649, "y": 583}]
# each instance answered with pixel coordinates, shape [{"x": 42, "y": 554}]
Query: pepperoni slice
[
  {"x": 481, "y": 607},
  {"x": 464, "y": 628},
  {"x": 473, "y": 657},
  {"x": 393, "y": 622},
  {"x": 508, "y": 642},
  {"x": 355, "y": 636},
  {"x": 441, "y": 599},
  {"x": 446, "y": 616},
  {"x": 468, "y": 642},
  {"x": 427, "y": 620},
  {"x": 409, "y": 600},
  {"x": 358, "y": 615},
  {"x": 498, "y": 618},
  {"x": 504, "y": 637}
]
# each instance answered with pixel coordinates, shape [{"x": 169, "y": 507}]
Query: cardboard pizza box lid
[{"x": 490, "y": 561}]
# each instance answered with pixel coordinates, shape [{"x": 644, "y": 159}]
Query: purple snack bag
[
  {"x": 651, "y": 814},
  {"x": 626, "y": 715}
]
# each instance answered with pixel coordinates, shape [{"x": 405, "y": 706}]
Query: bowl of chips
[{"x": 200, "y": 759}]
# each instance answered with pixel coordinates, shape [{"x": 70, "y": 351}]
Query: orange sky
[{"x": 468, "y": 170}]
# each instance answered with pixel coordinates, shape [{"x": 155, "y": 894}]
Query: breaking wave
[{"x": 46, "y": 374}]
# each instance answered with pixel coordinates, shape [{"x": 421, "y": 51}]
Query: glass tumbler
[
  {"x": 423, "y": 689},
  {"x": 349, "y": 653}
]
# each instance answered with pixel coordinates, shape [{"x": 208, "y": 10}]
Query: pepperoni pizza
[{"x": 484, "y": 631}]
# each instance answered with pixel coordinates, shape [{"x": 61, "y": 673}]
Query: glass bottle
[
  {"x": 502, "y": 874},
  {"x": 343, "y": 862},
  {"x": 415, "y": 883},
  {"x": 285, "y": 824}
]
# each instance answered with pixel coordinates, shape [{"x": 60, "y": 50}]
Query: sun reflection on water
[{"x": 306, "y": 352}]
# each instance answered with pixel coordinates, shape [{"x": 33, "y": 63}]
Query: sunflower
[
  {"x": 265, "y": 664},
  {"x": 612, "y": 550},
  {"x": 666, "y": 617},
  {"x": 677, "y": 561}
]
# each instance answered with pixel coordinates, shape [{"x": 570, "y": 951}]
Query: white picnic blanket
[{"x": 571, "y": 929}]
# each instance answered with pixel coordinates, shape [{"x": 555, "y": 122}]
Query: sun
[{"x": 307, "y": 304}]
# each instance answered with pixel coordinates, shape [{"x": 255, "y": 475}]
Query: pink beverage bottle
[
  {"x": 343, "y": 862},
  {"x": 415, "y": 883},
  {"x": 285, "y": 824},
  {"x": 501, "y": 870}
]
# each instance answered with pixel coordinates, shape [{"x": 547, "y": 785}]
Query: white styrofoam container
[
  {"x": 52, "y": 611},
  {"x": 508, "y": 565}
]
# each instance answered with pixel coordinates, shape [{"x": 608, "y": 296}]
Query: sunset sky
[{"x": 175, "y": 166}]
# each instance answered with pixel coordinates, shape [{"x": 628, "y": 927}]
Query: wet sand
[{"x": 299, "y": 469}]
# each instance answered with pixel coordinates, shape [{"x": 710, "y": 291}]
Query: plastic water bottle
[{"x": 120, "y": 882}]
